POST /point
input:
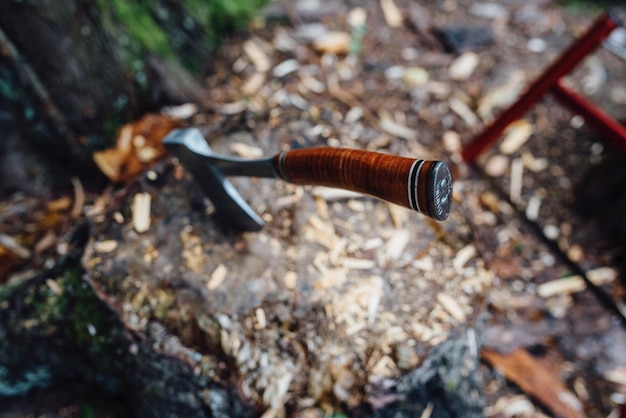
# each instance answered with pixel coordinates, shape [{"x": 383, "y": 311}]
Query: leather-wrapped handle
[{"x": 422, "y": 185}]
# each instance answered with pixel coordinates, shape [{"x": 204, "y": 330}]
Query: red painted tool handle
[{"x": 421, "y": 185}]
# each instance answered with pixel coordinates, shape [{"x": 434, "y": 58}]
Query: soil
[{"x": 338, "y": 296}]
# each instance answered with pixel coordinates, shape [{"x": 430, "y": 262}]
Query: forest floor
[{"x": 354, "y": 290}]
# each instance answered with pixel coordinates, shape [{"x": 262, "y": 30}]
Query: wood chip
[
  {"x": 253, "y": 84},
  {"x": 79, "y": 198},
  {"x": 257, "y": 55},
  {"x": 330, "y": 194},
  {"x": 357, "y": 263},
  {"x": 463, "y": 111},
  {"x": 463, "y": 67},
  {"x": 565, "y": 286},
  {"x": 47, "y": 241},
  {"x": 312, "y": 83},
  {"x": 517, "y": 180},
  {"x": 106, "y": 246},
  {"x": 391, "y": 13},
  {"x": 261, "y": 319},
  {"x": 415, "y": 76},
  {"x": 425, "y": 264},
  {"x": 246, "y": 151},
  {"x": 574, "y": 284},
  {"x": 516, "y": 135},
  {"x": 450, "y": 305},
  {"x": 428, "y": 411},
  {"x": 394, "y": 128},
  {"x": 333, "y": 43},
  {"x": 285, "y": 68},
  {"x": 141, "y": 212},
  {"x": 183, "y": 111},
  {"x": 15, "y": 247},
  {"x": 532, "y": 208},
  {"x": 501, "y": 96},
  {"x": 54, "y": 286},
  {"x": 617, "y": 376},
  {"x": 397, "y": 243},
  {"x": 463, "y": 256},
  {"x": 232, "y": 108},
  {"x": 497, "y": 165},
  {"x": 291, "y": 280},
  {"x": 452, "y": 142},
  {"x": 536, "y": 380},
  {"x": 217, "y": 277}
]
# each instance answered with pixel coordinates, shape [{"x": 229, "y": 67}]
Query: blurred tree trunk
[{"x": 71, "y": 72}]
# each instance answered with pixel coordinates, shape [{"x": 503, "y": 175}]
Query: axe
[{"x": 422, "y": 185}]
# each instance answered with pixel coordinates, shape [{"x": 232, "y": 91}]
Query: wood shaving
[
  {"x": 333, "y": 43},
  {"x": 516, "y": 135},
  {"x": 568, "y": 285},
  {"x": 246, "y": 151},
  {"x": 397, "y": 244},
  {"x": 79, "y": 198},
  {"x": 394, "y": 128},
  {"x": 106, "y": 246},
  {"x": 517, "y": 180},
  {"x": 391, "y": 13},
  {"x": 463, "y": 256},
  {"x": 217, "y": 277},
  {"x": 462, "y": 68},
  {"x": 451, "y": 306},
  {"x": 256, "y": 54},
  {"x": 463, "y": 111},
  {"x": 141, "y": 212},
  {"x": 15, "y": 247}
]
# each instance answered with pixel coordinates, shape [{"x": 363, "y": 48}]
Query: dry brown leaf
[
  {"x": 138, "y": 145},
  {"x": 8, "y": 261},
  {"x": 59, "y": 204},
  {"x": 536, "y": 380}
]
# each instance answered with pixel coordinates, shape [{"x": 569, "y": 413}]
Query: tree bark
[{"x": 72, "y": 72}]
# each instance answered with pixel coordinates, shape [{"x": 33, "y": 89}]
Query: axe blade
[{"x": 230, "y": 206}]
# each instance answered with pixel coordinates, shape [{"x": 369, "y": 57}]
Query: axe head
[{"x": 190, "y": 146}]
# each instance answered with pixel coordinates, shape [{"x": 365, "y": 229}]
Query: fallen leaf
[
  {"x": 534, "y": 379},
  {"x": 138, "y": 145}
]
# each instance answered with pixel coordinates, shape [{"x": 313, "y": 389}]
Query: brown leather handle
[{"x": 421, "y": 185}]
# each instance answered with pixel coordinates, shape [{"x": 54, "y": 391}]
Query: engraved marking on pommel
[
  {"x": 442, "y": 191},
  {"x": 414, "y": 174}
]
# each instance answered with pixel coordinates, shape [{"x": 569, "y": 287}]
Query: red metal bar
[
  {"x": 601, "y": 28},
  {"x": 609, "y": 127}
]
